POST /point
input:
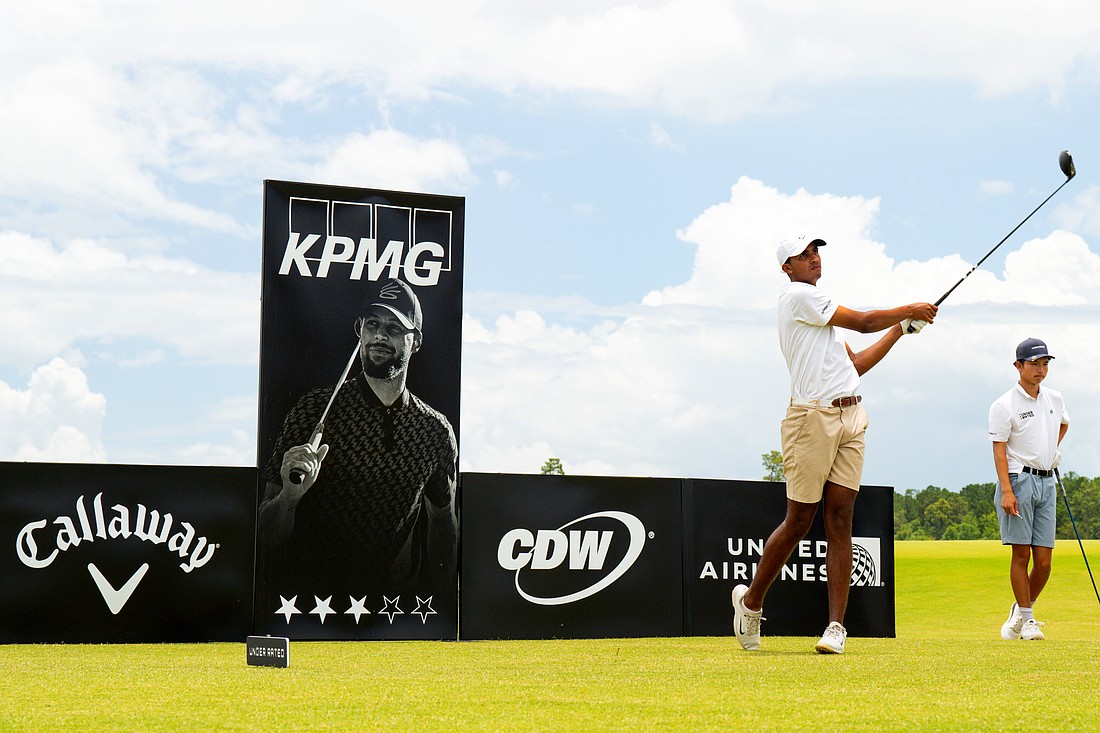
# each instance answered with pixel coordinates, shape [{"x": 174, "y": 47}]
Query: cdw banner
[{"x": 582, "y": 556}]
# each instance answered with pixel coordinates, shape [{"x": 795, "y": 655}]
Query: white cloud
[
  {"x": 56, "y": 418},
  {"x": 995, "y": 188},
  {"x": 393, "y": 160},
  {"x": 203, "y": 315}
]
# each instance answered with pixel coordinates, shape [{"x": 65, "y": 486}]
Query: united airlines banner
[
  {"x": 96, "y": 553},
  {"x": 570, "y": 557},
  {"x": 728, "y": 524},
  {"x": 358, "y": 417}
]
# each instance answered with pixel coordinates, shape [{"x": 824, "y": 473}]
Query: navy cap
[{"x": 1031, "y": 349}]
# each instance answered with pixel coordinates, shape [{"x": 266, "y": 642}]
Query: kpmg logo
[
  {"x": 575, "y": 561},
  {"x": 354, "y": 240},
  {"x": 38, "y": 544}
]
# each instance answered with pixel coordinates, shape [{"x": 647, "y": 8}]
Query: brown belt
[{"x": 847, "y": 401}]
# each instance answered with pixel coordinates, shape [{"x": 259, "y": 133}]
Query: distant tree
[
  {"x": 773, "y": 466},
  {"x": 553, "y": 467}
]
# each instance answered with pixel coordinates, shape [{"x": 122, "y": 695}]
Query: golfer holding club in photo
[
  {"x": 373, "y": 506},
  {"x": 822, "y": 433},
  {"x": 1026, "y": 424}
]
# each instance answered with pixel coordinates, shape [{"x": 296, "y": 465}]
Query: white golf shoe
[
  {"x": 1032, "y": 630},
  {"x": 746, "y": 623},
  {"x": 1011, "y": 629},
  {"x": 832, "y": 641}
]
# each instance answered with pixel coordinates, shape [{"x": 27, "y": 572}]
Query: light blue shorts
[{"x": 1038, "y": 501}]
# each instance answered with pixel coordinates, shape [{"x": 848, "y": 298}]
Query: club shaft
[
  {"x": 1080, "y": 544},
  {"x": 1005, "y": 239},
  {"x": 297, "y": 476}
]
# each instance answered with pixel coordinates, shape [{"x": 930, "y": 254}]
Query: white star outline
[
  {"x": 422, "y": 603},
  {"x": 396, "y": 611},
  {"x": 358, "y": 608},
  {"x": 322, "y": 608},
  {"x": 288, "y": 608}
]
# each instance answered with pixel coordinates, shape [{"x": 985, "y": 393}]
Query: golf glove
[
  {"x": 911, "y": 326},
  {"x": 1057, "y": 459}
]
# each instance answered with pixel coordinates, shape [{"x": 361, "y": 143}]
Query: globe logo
[{"x": 864, "y": 572}]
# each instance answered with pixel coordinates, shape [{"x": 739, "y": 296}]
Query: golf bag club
[{"x": 1058, "y": 478}]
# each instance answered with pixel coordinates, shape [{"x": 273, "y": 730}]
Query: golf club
[
  {"x": 1058, "y": 477},
  {"x": 297, "y": 476},
  {"x": 1065, "y": 162}
]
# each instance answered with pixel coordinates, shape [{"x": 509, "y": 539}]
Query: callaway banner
[
  {"x": 358, "y": 416},
  {"x": 570, "y": 557},
  {"x": 96, "y": 553},
  {"x": 729, "y": 522}
]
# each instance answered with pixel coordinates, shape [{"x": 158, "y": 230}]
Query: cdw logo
[{"x": 567, "y": 564}]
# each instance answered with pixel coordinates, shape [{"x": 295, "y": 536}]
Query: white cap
[{"x": 795, "y": 246}]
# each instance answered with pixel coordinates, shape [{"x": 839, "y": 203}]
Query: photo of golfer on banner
[
  {"x": 363, "y": 475},
  {"x": 359, "y": 419}
]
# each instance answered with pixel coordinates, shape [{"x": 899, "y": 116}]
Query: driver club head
[{"x": 1065, "y": 162}]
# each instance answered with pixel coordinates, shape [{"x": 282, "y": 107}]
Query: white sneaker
[
  {"x": 746, "y": 623},
  {"x": 832, "y": 641},
  {"x": 1032, "y": 631},
  {"x": 1011, "y": 629}
]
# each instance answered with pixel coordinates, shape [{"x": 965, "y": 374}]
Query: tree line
[
  {"x": 969, "y": 514},
  {"x": 935, "y": 513}
]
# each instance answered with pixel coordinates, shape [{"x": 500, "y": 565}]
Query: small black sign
[{"x": 268, "y": 651}]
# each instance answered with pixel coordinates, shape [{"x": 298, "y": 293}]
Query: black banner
[
  {"x": 730, "y": 521},
  {"x": 100, "y": 553},
  {"x": 570, "y": 557},
  {"x": 358, "y": 417}
]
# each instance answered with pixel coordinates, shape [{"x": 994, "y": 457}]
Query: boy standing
[{"x": 1026, "y": 424}]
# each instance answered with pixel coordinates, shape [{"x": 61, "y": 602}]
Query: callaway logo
[
  {"x": 37, "y": 546},
  {"x": 586, "y": 551}
]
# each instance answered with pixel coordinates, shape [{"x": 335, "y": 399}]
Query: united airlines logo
[
  {"x": 575, "y": 561},
  {"x": 806, "y": 563}
]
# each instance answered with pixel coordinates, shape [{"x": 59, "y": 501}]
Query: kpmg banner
[
  {"x": 358, "y": 415},
  {"x": 729, "y": 522},
  {"x": 96, "y": 553},
  {"x": 570, "y": 557}
]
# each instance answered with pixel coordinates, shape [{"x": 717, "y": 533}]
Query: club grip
[{"x": 297, "y": 475}]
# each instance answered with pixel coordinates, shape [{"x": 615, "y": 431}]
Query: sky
[{"x": 628, "y": 170}]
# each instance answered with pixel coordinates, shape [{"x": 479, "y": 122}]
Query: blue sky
[{"x": 627, "y": 169}]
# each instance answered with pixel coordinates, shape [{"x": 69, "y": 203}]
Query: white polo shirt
[
  {"x": 1029, "y": 426},
  {"x": 816, "y": 356}
]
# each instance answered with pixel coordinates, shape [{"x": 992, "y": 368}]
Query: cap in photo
[
  {"x": 1031, "y": 349},
  {"x": 795, "y": 246},
  {"x": 399, "y": 299}
]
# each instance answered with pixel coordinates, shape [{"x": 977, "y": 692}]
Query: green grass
[{"x": 948, "y": 670}]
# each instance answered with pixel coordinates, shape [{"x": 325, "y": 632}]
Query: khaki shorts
[{"x": 822, "y": 444}]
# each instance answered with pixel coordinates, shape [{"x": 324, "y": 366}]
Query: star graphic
[
  {"x": 358, "y": 608},
  {"x": 322, "y": 608},
  {"x": 288, "y": 608},
  {"x": 387, "y": 611},
  {"x": 424, "y": 608}
]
